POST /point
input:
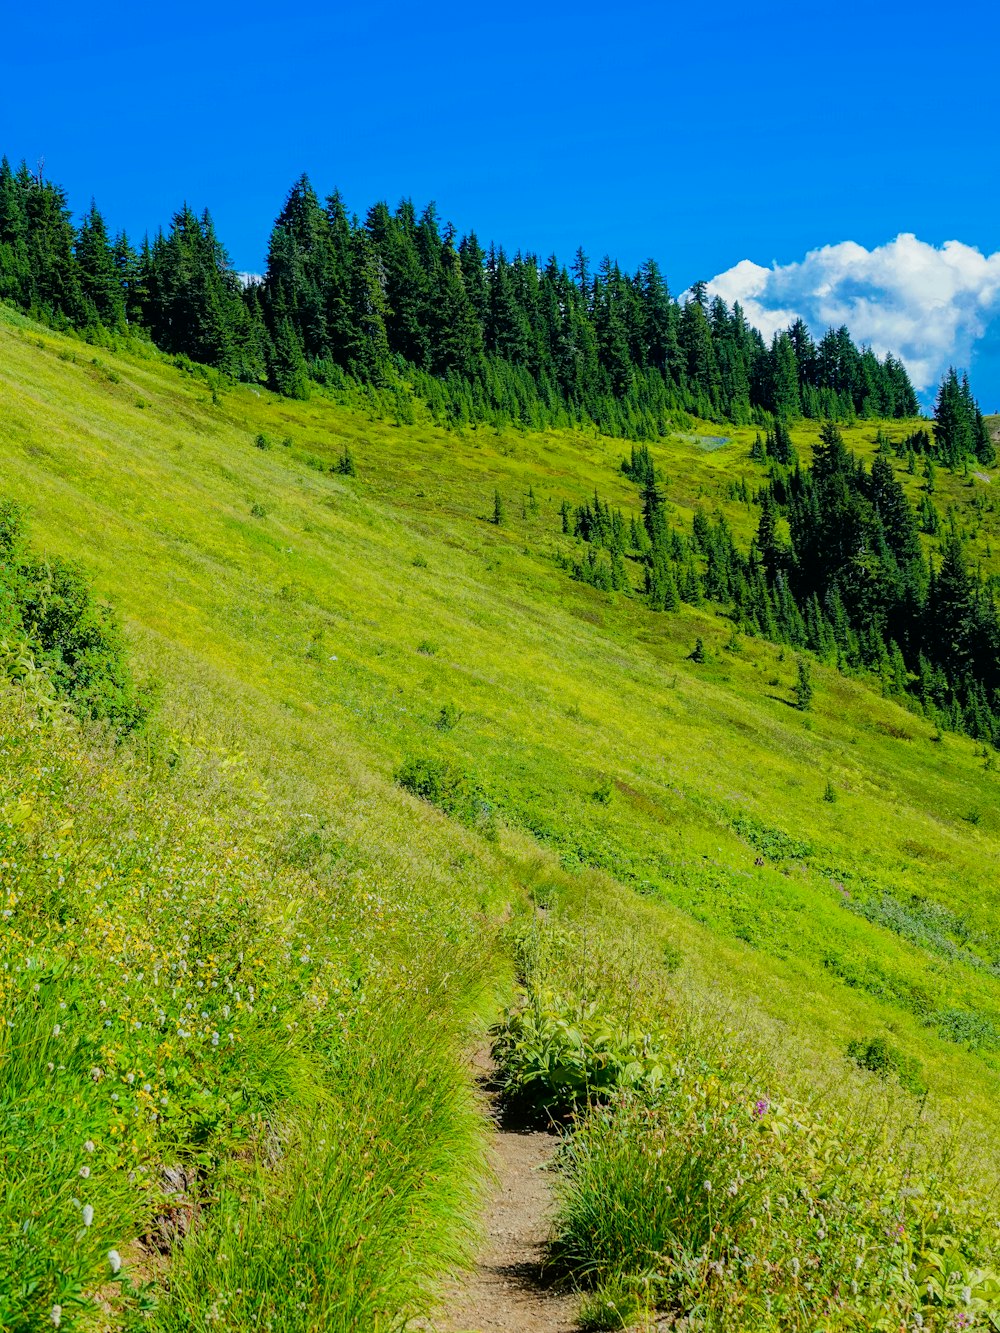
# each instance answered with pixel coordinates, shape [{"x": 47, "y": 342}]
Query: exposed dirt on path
[{"x": 507, "y": 1291}]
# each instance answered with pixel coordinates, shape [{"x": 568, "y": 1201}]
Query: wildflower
[
  {"x": 56, "y": 1030},
  {"x": 55, "y": 1314},
  {"x": 88, "y": 1214},
  {"x": 89, "y": 1146},
  {"x": 795, "y": 1267},
  {"x": 967, "y": 1295},
  {"x": 85, "y": 1172},
  {"x": 761, "y": 1108},
  {"x": 707, "y": 1187},
  {"x": 115, "y": 1260}
]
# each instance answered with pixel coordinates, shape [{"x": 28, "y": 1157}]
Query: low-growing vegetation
[
  {"x": 693, "y": 1183},
  {"x": 387, "y": 733}
]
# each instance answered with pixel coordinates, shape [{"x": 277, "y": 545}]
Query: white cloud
[{"x": 929, "y": 306}]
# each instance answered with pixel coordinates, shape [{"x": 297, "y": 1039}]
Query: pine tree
[
  {"x": 803, "y": 687},
  {"x": 100, "y": 278}
]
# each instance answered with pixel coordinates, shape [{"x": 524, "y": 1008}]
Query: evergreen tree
[{"x": 100, "y": 277}]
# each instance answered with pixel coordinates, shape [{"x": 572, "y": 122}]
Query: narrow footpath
[{"x": 507, "y": 1292}]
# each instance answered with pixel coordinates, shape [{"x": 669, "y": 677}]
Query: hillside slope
[{"x": 831, "y": 875}]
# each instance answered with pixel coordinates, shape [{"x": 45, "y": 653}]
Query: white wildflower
[
  {"x": 89, "y": 1146},
  {"x": 115, "y": 1260},
  {"x": 85, "y": 1172},
  {"x": 55, "y": 1314},
  {"x": 88, "y": 1214}
]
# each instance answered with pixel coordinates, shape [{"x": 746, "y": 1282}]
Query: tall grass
[
  {"x": 695, "y": 1181},
  {"x": 181, "y": 999}
]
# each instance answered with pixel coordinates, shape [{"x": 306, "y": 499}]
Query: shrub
[
  {"x": 880, "y": 1057},
  {"x": 556, "y": 1054},
  {"x": 445, "y": 785},
  {"x": 51, "y": 621},
  {"x": 262, "y": 441},
  {"x": 448, "y": 718}
]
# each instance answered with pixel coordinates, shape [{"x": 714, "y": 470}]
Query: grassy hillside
[{"x": 827, "y": 876}]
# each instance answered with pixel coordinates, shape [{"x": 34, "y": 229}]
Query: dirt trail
[{"x": 506, "y": 1292}]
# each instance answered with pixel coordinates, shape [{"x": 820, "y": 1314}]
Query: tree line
[
  {"x": 398, "y": 301},
  {"x": 850, "y": 580}
]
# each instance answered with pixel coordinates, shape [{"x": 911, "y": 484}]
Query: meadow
[{"x": 804, "y": 879}]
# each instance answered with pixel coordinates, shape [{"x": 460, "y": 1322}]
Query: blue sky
[{"x": 702, "y": 134}]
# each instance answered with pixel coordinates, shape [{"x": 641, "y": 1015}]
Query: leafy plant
[
  {"x": 879, "y": 1056},
  {"x": 445, "y": 785}
]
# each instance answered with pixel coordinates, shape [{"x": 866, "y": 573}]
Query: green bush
[
  {"x": 879, "y": 1056},
  {"x": 556, "y": 1054},
  {"x": 445, "y": 785},
  {"x": 50, "y": 621}
]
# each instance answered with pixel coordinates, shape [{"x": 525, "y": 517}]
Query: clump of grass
[{"x": 616, "y": 1305}]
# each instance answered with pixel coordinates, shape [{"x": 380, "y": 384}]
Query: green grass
[{"x": 309, "y": 631}]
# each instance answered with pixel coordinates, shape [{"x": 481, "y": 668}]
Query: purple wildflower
[{"x": 761, "y": 1108}]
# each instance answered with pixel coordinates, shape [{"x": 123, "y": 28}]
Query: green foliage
[
  {"x": 172, "y": 992},
  {"x": 881, "y": 1057},
  {"x": 448, "y": 718},
  {"x": 803, "y": 687},
  {"x": 345, "y": 464},
  {"x": 615, "y": 1305},
  {"x": 587, "y": 684},
  {"x": 481, "y": 337},
  {"x": 444, "y": 784},
  {"x": 50, "y": 620},
  {"x": 706, "y": 1193},
  {"x": 771, "y": 842}
]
